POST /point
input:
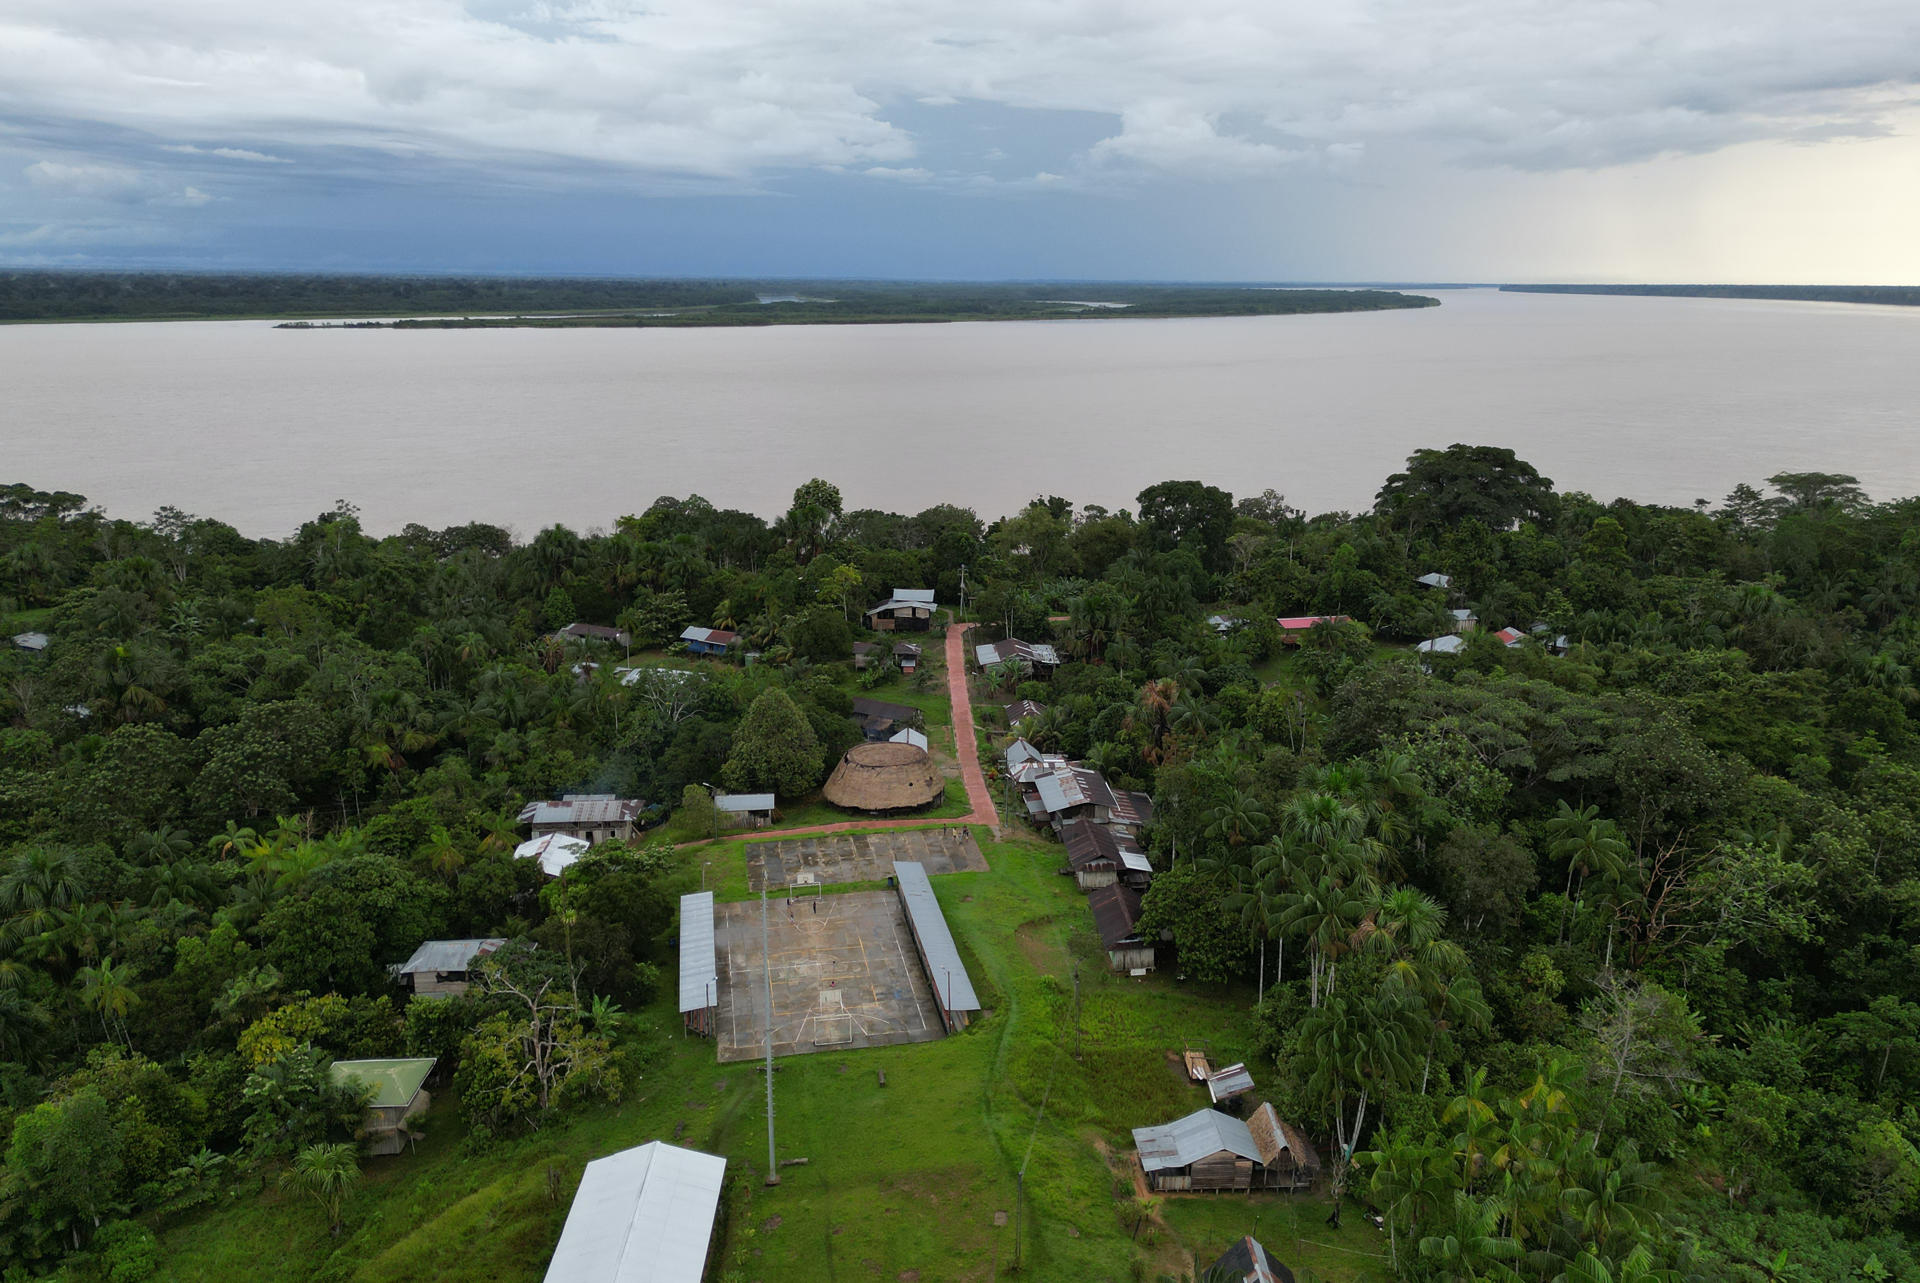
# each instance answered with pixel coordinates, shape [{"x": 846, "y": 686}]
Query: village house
[
  {"x": 35, "y": 642},
  {"x": 744, "y": 810},
  {"x": 909, "y": 610},
  {"x": 443, "y": 968},
  {"x": 591, "y": 817},
  {"x": 641, "y": 1214},
  {"x": 1464, "y": 621},
  {"x": 1100, "y": 856},
  {"x": 1022, "y": 709},
  {"x": 907, "y": 735},
  {"x": 1116, "y": 916},
  {"x": 1435, "y": 580},
  {"x": 1211, "y": 1152},
  {"x": 708, "y": 641},
  {"x": 1058, "y": 792},
  {"x": 1038, "y": 656},
  {"x": 597, "y": 633},
  {"x": 397, "y": 1095},
  {"x": 1294, "y": 628},
  {"x": 906, "y": 656},
  {"x": 879, "y": 720}
]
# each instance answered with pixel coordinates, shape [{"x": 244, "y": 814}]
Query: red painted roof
[{"x": 1296, "y": 623}]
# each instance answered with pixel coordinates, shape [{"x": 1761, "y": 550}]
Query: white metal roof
[
  {"x": 918, "y": 597},
  {"x": 555, "y": 852},
  {"x": 32, "y": 641},
  {"x": 1228, "y": 1082},
  {"x": 908, "y": 735},
  {"x": 1136, "y": 861},
  {"x": 1462, "y": 615},
  {"x": 951, "y": 985},
  {"x": 699, "y": 979},
  {"x": 1186, "y": 1141},
  {"x": 1442, "y": 645},
  {"x": 643, "y": 1215},
  {"x": 448, "y": 955},
  {"x": 737, "y": 803},
  {"x": 1435, "y": 580}
]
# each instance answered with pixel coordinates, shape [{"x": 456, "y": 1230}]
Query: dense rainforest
[{"x": 1585, "y": 951}]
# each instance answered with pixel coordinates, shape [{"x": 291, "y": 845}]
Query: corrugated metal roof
[
  {"x": 864, "y": 707},
  {"x": 1229, "y": 1082},
  {"x": 1013, "y": 648},
  {"x": 1116, "y": 910},
  {"x": 1300, "y": 623},
  {"x": 905, "y": 598},
  {"x": 32, "y": 641},
  {"x": 1053, "y": 790},
  {"x": 448, "y": 955},
  {"x": 643, "y": 1215},
  {"x": 699, "y": 978},
  {"x": 1442, "y": 645},
  {"x": 1136, "y": 862},
  {"x": 739, "y": 803},
  {"x": 394, "y": 1082},
  {"x": 951, "y": 985},
  {"x": 1435, "y": 580},
  {"x": 555, "y": 851},
  {"x": 711, "y": 636},
  {"x": 1186, "y": 1141},
  {"x": 581, "y": 808},
  {"x": 908, "y": 736}
]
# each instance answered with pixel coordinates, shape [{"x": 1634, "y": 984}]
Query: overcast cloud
[{"x": 212, "y": 117}]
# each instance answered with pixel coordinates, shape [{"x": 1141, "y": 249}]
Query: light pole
[{"x": 703, "y": 873}]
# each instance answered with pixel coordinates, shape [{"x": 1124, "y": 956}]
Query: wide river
[{"x": 1665, "y": 400}]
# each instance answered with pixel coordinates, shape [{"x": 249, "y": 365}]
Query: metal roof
[
  {"x": 1021, "y": 709},
  {"x": 1013, "y": 648},
  {"x": 394, "y": 1082},
  {"x": 448, "y": 955},
  {"x": 555, "y": 851},
  {"x": 1463, "y": 615},
  {"x": 597, "y": 632},
  {"x": 919, "y": 598},
  {"x": 1435, "y": 580},
  {"x": 699, "y": 979},
  {"x": 581, "y": 808},
  {"x": 1442, "y": 645},
  {"x": 1229, "y": 1082},
  {"x": 1136, "y": 861},
  {"x": 909, "y": 736},
  {"x": 944, "y": 969},
  {"x": 711, "y": 636},
  {"x": 642, "y": 1215},
  {"x": 1020, "y": 751},
  {"x": 1116, "y": 913},
  {"x": 1186, "y": 1141},
  {"x": 32, "y": 641},
  {"x": 1300, "y": 623},
  {"x": 738, "y": 803},
  {"x": 864, "y": 707}
]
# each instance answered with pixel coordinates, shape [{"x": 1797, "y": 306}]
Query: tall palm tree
[
  {"x": 1589, "y": 845},
  {"x": 108, "y": 991}
]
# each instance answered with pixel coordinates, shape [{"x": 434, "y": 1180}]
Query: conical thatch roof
[{"x": 884, "y": 777}]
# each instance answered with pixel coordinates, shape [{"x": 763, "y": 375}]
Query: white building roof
[
  {"x": 952, "y": 988},
  {"x": 740, "y": 803},
  {"x": 1136, "y": 861},
  {"x": 902, "y": 597},
  {"x": 699, "y": 978},
  {"x": 1442, "y": 645},
  {"x": 643, "y": 1215},
  {"x": 1013, "y": 648},
  {"x": 32, "y": 641},
  {"x": 1462, "y": 615},
  {"x": 1186, "y": 1141},
  {"x": 555, "y": 852},
  {"x": 448, "y": 955},
  {"x": 581, "y": 808},
  {"x": 908, "y": 735},
  {"x": 1229, "y": 1082},
  {"x": 1435, "y": 580}
]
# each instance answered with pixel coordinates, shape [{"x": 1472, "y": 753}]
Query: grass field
[{"x": 912, "y": 1176}]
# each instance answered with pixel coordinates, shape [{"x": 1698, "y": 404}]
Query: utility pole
[{"x": 766, "y": 967}]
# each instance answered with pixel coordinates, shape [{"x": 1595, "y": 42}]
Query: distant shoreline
[{"x": 1886, "y": 295}]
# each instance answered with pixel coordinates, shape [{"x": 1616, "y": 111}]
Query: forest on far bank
[{"x": 1586, "y": 951}]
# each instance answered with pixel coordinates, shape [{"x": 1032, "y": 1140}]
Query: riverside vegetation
[{"x": 1586, "y": 962}]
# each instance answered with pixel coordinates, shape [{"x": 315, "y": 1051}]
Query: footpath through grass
[{"x": 918, "y": 1175}]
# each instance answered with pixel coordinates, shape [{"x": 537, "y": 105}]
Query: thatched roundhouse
[{"x": 884, "y": 777}]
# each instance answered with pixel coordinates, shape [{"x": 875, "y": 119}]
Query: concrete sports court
[
  {"x": 845, "y": 974},
  {"x": 829, "y": 858}
]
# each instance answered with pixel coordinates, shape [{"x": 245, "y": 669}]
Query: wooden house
[
  {"x": 444, "y": 968},
  {"x": 591, "y": 817},
  {"x": 1100, "y": 856},
  {"x": 1041, "y": 658},
  {"x": 396, "y": 1096},
  {"x": 906, "y": 656},
  {"x": 708, "y": 641},
  {"x": 909, "y": 610},
  {"x": 1211, "y": 1152},
  {"x": 744, "y": 810},
  {"x": 1116, "y": 916},
  {"x": 1022, "y": 709}
]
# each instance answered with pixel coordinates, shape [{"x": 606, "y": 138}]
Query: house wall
[
  {"x": 1091, "y": 879},
  {"x": 1131, "y": 957},
  {"x": 439, "y": 984},
  {"x": 587, "y": 832}
]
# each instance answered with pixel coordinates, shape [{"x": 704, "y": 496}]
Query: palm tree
[
  {"x": 1589, "y": 845},
  {"x": 1358, "y": 1045},
  {"x": 1238, "y": 821},
  {"x": 107, "y": 990},
  {"x": 328, "y": 1174},
  {"x": 1473, "y": 1248}
]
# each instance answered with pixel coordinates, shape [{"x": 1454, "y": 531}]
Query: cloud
[
  {"x": 228, "y": 153},
  {"x": 909, "y": 175},
  {"x": 120, "y": 184},
  {"x": 730, "y": 91}
]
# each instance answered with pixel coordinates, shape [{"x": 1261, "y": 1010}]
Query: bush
[{"x": 128, "y": 1252}]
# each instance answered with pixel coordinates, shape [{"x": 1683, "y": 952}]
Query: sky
[{"x": 1773, "y": 141}]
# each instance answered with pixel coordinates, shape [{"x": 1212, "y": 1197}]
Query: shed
[
  {"x": 398, "y": 1095},
  {"x": 555, "y": 851},
  {"x": 952, "y": 989},
  {"x": 699, "y": 977},
  {"x": 598, "y": 633},
  {"x": 1100, "y": 856},
  {"x": 1511, "y": 637},
  {"x": 906, "y": 656},
  {"x": 883, "y": 778},
  {"x": 878, "y": 719},
  {"x": 1225, "y": 1084},
  {"x": 907, "y": 735},
  {"x": 642, "y": 1215},
  {"x": 745, "y": 810},
  {"x": 1207, "y": 1150},
  {"x": 442, "y": 968},
  {"x": 1287, "y": 1159},
  {"x": 908, "y": 610},
  {"x": 1435, "y": 580},
  {"x": 1248, "y": 1262},
  {"x": 32, "y": 641},
  {"x": 1022, "y": 709},
  {"x": 592, "y": 817},
  {"x": 708, "y": 641},
  {"x": 1464, "y": 621},
  {"x": 1116, "y": 916},
  {"x": 1041, "y": 657}
]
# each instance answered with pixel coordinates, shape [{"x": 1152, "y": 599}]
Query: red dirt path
[{"x": 965, "y": 746}]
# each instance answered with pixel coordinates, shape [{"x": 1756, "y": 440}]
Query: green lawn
[{"x": 907, "y": 1177}]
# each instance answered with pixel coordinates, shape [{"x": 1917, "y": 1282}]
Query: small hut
[
  {"x": 884, "y": 777},
  {"x": 1287, "y": 1160},
  {"x": 396, "y": 1095}
]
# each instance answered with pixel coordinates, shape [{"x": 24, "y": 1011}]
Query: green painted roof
[{"x": 394, "y": 1082}]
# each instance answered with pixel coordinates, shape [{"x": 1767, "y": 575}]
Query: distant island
[
  {"x": 488, "y": 301},
  {"x": 1892, "y": 295}
]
